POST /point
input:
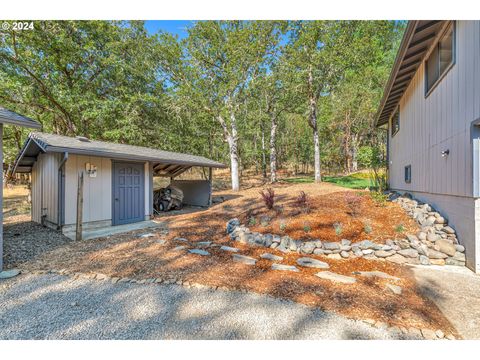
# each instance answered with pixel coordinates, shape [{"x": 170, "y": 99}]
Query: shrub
[
  {"x": 302, "y": 202},
  {"x": 353, "y": 203},
  {"x": 283, "y": 226},
  {"x": 268, "y": 198},
  {"x": 400, "y": 228},
  {"x": 252, "y": 221},
  {"x": 306, "y": 227},
  {"x": 338, "y": 228},
  {"x": 265, "y": 221},
  {"x": 367, "y": 228},
  {"x": 379, "y": 197}
]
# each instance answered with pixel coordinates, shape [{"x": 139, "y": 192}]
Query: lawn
[{"x": 353, "y": 181}]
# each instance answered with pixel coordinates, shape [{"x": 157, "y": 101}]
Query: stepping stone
[
  {"x": 178, "y": 248},
  {"x": 161, "y": 242},
  {"x": 180, "y": 239},
  {"x": 313, "y": 263},
  {"x": 7, "y": 274},
  {"x": 272, "y": 257},
  {"x": 228, "y": 248},
  {"x": 203, "y": 243},
  {"x": 394, "y": 288},
  {"x": 284, "y": 267},
  {"x": 379, "y": 274},
  {"x": 247, "y": 260},
  {"x": 147, "y": 235},
  {"x": 328, "y": 275},
  {"x": 199, "y": 252}
]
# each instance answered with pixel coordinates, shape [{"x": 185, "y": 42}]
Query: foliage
[
  {"x": 367, "y": 228},
  {"x": 353, "y": 202},
  {"x": 379, "y": 197},
  {"x": 338, "y": 228},
  {"x": 302, "y": 202},
  {"x": 307, "y": 227},
  {"x": 252, "y": 221},
  {"x": 400, "y": 228},
  {"x": 283, "y": 226},
  {"x": 268, "y": 198}
]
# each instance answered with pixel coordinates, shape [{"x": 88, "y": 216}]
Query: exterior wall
[
  {"x": 441, "y": 121},
  {"x": 97, "y": 191},
  {"x": 45, "y": 189}
]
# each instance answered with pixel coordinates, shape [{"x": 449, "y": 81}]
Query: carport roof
[
  {"x": 171, "y": 161},
  {"x": 12, "y": 118}
]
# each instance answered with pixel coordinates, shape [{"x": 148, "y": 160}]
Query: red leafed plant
[
  {"x": 303, "y": 202},
  {"x": 268, "y": 198},
  {"x": 353, "y": 203}
]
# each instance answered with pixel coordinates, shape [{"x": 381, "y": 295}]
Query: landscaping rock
[
  {"x": 147, "y": 235},
  {"x": 383, "y": 253},
  {"x": 448, "y": 230},
  {"x": 331, "y": 246},
  {"x": 232, "y": 224},
  {"x": 345, "y": 242},
  {"x": 180, "y": 239},
  {"x": 328, "y": 275},
  {"x": 7, "y": 274},
  {"x": 452, "y": 261},
  {"x": 412, "y": 253},
  {"x": 367, "y": 251},
  {"x": 434, "y": 254},
  {"x": 313, "y": 263},
  {"x": 247, "y": 260},
  {"x": 308, "y": 248},
  {"x": 424, "y": 260},
  {"x": 203, "y": 244},
  {"x": 228, "y": 248},
  {"x": 437, "y": 261},
  {"x": 433, "y": 237},
  {"x": 366, "y": 244},
  {"x": 334, "y": 256},
  {"x": 272, "y": 257},
  {"x": 460, "y": 248},
  {"x": 282, "y": 267},
  {"x": 440, "y": 334},
  {"x": 429, "y": 334},
  {"x": 319, "y": 252},
  {"x": 199, "y": 252},
  {"x": 459, "y": 256},
  {"x": 394, "y": 288},
  {"x": 345, "y": 254},
  {"x": 397, "y": 259},
  {"x": 445, "y": 247},
  {"x": 179, "y": 248}
]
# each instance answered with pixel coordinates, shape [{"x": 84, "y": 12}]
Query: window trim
[
  {"x": 409, "y": 179},
  {"x": 397, "y": 111},
  {"x": 452, "y": 25}
]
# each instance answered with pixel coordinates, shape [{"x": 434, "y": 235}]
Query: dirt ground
[{"x": 129, "y": 255}]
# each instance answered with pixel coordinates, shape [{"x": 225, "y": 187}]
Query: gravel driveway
[{"x": 58, "y": 307}]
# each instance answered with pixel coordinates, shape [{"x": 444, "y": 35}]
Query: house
[
  {"x": 9, "y": 118},
  {"x": 117, "y": 180},
  {"x": 431, "y": 108}
]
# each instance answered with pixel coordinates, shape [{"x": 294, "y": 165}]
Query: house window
[
  {"x": 441, "y": 59},
  {"x": 408, "y": 174},
  {"x": 395, "y": 122}
]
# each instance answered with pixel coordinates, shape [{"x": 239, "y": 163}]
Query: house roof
[
  {"x": 166, "y": 163},
  {"x": 417, "y": 40},
  {"x": 12, "y": 118}
]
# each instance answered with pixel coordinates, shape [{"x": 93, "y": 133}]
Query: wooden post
[
  {"x": 210, "y": 177},
  {"x": 78, "y": 233}
]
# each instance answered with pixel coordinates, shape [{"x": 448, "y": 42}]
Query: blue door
[{"x": 128, "y": 193}]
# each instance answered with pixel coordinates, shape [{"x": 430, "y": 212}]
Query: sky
[{"x": 172, "y": 26}]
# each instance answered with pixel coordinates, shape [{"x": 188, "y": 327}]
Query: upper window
[
  {"x": 408, "y": 174},
  {"x": 395, "y": 122},
  {"x": 440, "y": 59}
]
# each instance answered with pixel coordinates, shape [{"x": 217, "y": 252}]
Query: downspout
[{"x": 61, "y": 191}]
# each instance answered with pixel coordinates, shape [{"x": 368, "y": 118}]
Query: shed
[
  {"x": 117, "y": 184},
  {"x": 10, "y": 118}
]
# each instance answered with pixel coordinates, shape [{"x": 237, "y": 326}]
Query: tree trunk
[
  {"x": 231, "y": 136},
  {"x": 316, "y": 144},
  {"x": 264, "y": 156},
  {"x": 273, "y": 150},
  {"x": 314, "y": 126}
]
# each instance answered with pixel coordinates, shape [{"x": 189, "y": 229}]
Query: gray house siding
[{"x": 443, "y": 121}]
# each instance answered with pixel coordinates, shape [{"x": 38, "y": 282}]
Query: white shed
[{"x": 117, "y": 180}]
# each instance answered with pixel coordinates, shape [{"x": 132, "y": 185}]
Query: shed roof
[
  {"x": 417, "y": 40},
  {"x": 12, "y": 118},
  {"x": 171, "y": 163}
]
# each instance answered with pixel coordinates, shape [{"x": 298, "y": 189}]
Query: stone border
[
  {"x": 426, "y": 334},
  {"x": 434, "y": 244}
]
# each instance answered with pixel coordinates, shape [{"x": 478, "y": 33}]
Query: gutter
[{"x": 61, "y": 191}]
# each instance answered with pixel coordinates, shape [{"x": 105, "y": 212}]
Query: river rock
[
  {"x": 448, "y": 230},
  {"x": 434, "y": 254},
  {"x": 383, "y": 253},
  {"x": 313, "y": 263},
  {"x": 459, "y": 248},
  {"x": 445, "y": 247},
  {"x": 331, "y": 246},
  {"x": 397, "y": 259},
  {"x": 307, "y": 248},
  {"x": 411, "y": 253}
]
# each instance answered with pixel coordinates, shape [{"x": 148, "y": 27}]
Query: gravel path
[{"x": 59, "y": 307}]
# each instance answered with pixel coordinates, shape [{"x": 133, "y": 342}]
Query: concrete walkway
[
  {"x": 59, "y": 307},
  {"x": 88, "y": 234},
  {"x": 456, "y": 291}
]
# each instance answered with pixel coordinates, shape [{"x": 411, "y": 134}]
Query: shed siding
[
  {"x": 439, "y": 122},
  {"x": 97, "y": 191},
  {"x": 45, "y": 188}
]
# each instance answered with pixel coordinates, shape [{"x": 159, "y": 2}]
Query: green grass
[{"x": 354, "y": 181}]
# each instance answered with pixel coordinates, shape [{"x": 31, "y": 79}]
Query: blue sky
[{"x": 172, "y": 26}]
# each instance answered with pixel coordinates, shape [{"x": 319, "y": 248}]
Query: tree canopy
[{"x": 267, "y": 95}]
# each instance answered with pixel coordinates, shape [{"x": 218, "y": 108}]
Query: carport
[{"x": 10, "y": 118}]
